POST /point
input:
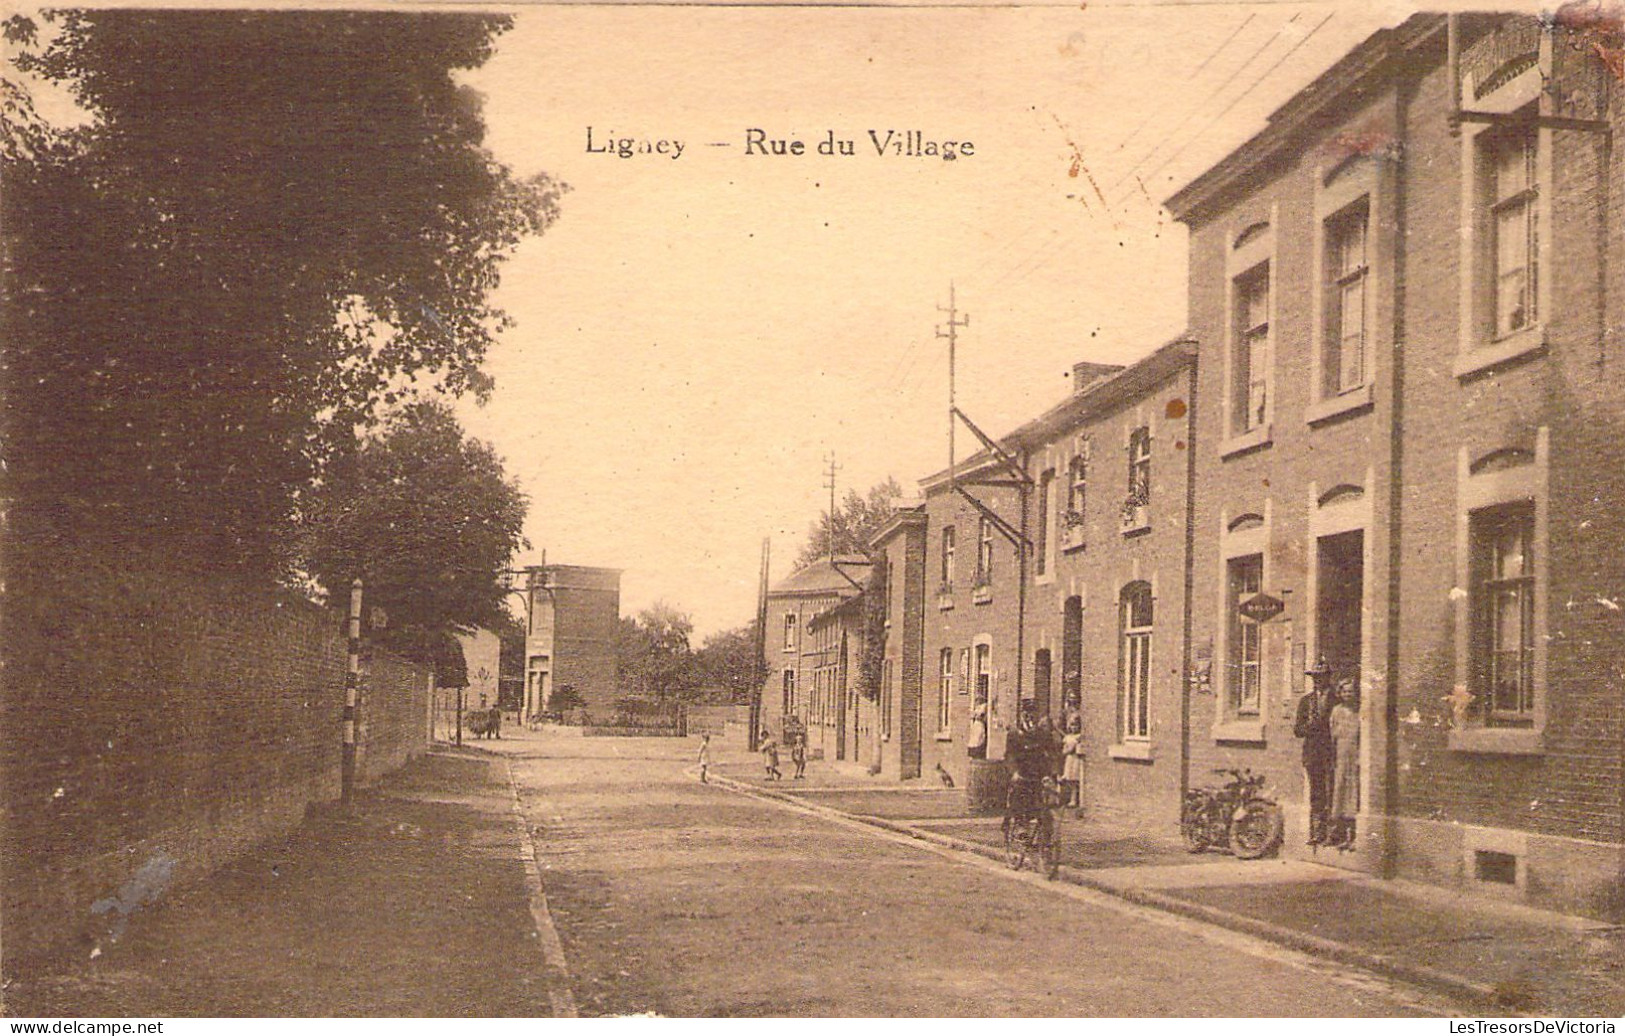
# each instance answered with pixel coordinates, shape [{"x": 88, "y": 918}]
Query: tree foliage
[
  {"x": 277, "y": 225},
  {"x": 427, "y": 519},
  {"x": 652, "y": 654},
  {"x": 729, "y": 662},
  {"x": 854, "y": 523}
]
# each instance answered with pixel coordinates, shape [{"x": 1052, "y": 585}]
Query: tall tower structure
[{"x": 575, "y": 611}]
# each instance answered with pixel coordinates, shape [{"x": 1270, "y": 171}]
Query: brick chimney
[{"x": 1085, "y": 374}]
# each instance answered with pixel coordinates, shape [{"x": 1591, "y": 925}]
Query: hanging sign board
[{"x": 1261, "y": 607}]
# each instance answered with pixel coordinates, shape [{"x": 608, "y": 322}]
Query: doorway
[{"x": 1339, "y": 591}]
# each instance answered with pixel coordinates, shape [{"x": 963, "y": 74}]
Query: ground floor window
[
  {"x": 1134, "y": 687},
  {"x": 1503, "y": 634},
  {"x": 1243, "y": 653},
  {"x": 945, "y": 689}
]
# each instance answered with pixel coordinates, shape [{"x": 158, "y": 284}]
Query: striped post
[{"x": 352, "y": 687}]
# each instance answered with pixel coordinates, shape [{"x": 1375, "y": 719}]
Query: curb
[
  {"x": 559, "y": 995},
  {"x": 1341, "y": 953}
]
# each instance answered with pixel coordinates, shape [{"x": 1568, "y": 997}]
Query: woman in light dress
[
  {"x": 1072, "y": 764},
  {"x": 1345, "y": 723}
]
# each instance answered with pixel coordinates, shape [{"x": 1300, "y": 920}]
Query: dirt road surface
[{"x": 678, "y": 898}]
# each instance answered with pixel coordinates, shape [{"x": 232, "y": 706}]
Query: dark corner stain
[{"x": 1597, "y": 26}]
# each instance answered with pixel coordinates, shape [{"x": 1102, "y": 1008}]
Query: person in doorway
[
  {"x": 976, "y": 742},
  {"x": 770, "y": 759},
  {"x": 1072, "y": 765},
  {"x": 705, "y": 758},
  {"x": 1345, "y": 729},
  {"x": 1313, "y": 723},
  {"x": 798, "y": 755}
]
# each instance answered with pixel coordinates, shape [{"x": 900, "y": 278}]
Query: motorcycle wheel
[
  {"x": 1017, "y": 839},
  {"x": 1049, "y": 849},
  {"x": 1256, "y": 830},
  {"x": 1193, "y": 829}
]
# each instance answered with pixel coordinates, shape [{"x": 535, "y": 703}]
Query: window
[
  {"x": 984, "y": 671},
  {"x": 1344, "y": 365},
  {"x": 948, "y": 557},
  {"x": 789, "y": 693},
  {"x": 1041, "y": 562},
  {"x": 1243, "y": 660},
  {"x": 790, "y": 632},
  {"x": 1134, "y": 713},
  {"x": 1077, "y": 495},
  {"x": 1503, "y": 635},
  {"x": 984, "y": 552},
  {"x": 1137, "y": 506},
  {"x": 885, "y": 699},
  {"x": 1250, "y": 361},
  {"x": 945, "y": 688},
  {"x": 1513, "y": 225}
]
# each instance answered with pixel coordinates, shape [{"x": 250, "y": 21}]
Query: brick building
[
  {"x": 794, "y": 658},
  {"x": 575, "y": 613},
  {"x": 1106, "y": 612},
  {"x": 1408, "y": 435},
  {"x": 900, "y": 721},
  {"x": 971, "y": 630}
]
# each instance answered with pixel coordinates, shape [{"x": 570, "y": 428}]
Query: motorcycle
[{"x": 1237, "y": 817}]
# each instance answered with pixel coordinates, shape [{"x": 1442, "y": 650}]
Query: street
[{"x": 678, "y": 898}]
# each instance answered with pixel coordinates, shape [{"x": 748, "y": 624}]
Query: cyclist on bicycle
[{"x": 1031, "y": 751}]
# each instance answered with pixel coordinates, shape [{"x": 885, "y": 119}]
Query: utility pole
[
  {"x": 952, "y": 334},
  {"x": 761, "y": 648},
  {"x": 352, "y": 688},
  {"x": 829, "y": 483}
]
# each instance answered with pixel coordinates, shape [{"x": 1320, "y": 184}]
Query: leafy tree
[
  {"x": 427, "y": 519},
  {"x": 855, "y": 521},
  {"x": 729, "y": 661},
  {"x": 653, "y": 657},
  {"x": 277, "y": 225}
]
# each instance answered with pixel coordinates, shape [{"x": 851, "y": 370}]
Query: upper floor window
[
  {"x": 1503, "y": 633},
  {"x": 984, "y": 552},
  {"x": 1041, "y": 542},
  {"x": 1343, "y": 365},
  {"x": 1250, "y": 360},
  {"x": 948, "y": 556},
  {"x": 1077, "y": 496},
  {"x": 1513, "y": 222},
  {"x": 1137, "y": 505},
  {"x": 790, "y": 632}
]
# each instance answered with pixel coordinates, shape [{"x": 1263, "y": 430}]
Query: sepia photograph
[{"x": 812, "y": 510}]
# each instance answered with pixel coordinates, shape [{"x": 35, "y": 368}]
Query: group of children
[{"x": 770, "y": 755}]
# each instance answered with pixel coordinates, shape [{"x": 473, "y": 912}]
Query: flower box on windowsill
[
  {"x": 981, "y": 593},
  {"x": 1071, "y": 530},
  {"x": 1136, "y": 516},
  {"x": 1515, "y": 346},
  {"x": 945, "y": 596}
]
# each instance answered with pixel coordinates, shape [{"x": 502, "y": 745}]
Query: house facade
[
  {"x": 896, "y": 737},
  {"x": 1408, "y": 450},
  {"x": 1106, "y": 613}
]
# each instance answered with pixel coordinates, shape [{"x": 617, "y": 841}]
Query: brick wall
[{"x": 156, "y": 726}]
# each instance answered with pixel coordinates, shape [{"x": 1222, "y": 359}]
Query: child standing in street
[
  {"x": 798, "y": 755},
  {"x": 770, "y": 757},
  {"x": 705, "y": 757}
]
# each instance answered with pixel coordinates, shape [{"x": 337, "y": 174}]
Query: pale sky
[{"x": 695, "y": 335}]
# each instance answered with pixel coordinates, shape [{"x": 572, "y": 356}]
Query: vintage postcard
[{"x": 813, "y": 510}]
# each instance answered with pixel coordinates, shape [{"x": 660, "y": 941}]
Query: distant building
[
  {"x": 575, "y": 613},
  {"x": 791, "y": 655}
]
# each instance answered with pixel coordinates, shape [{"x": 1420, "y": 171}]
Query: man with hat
[{"x": 1313, "y": 723}]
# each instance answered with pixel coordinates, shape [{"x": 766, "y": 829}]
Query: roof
[
  {"x": 1366, "y": 68},
  {"x": 821, "y": 577},
  {"x": 848, "y": 608},
  {"x": 1100, "y": 396}
]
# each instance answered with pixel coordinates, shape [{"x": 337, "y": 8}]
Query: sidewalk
[
  {"x": 1493, "y": 957},
  {"x": 412, "y": 902}
]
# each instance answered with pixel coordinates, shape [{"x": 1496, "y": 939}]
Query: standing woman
[
  {"x": 1346, "y": 771},
  {"x": 1072, "y": 764}
]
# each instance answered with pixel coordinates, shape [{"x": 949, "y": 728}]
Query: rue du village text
[{"x": 887, "y": 143}]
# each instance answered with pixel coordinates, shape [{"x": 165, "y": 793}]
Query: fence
[{"x": 157, "y": 726}]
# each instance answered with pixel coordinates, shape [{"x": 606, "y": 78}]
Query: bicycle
[{"x": 1030, "y": 830}]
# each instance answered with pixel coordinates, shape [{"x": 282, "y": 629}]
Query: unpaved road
[{"x": 682, "y": 899}]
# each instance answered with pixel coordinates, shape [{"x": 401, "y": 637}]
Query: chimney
[{"x": 1085, "y": 374}]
